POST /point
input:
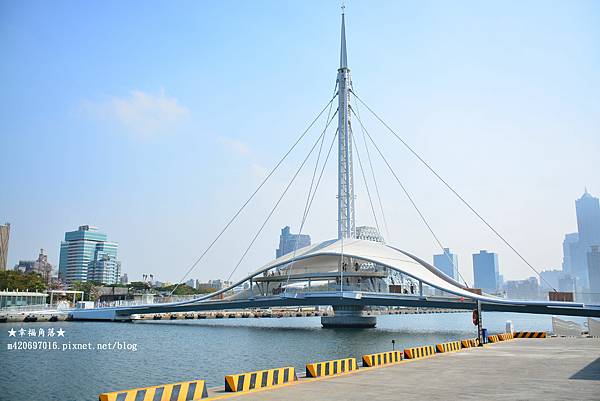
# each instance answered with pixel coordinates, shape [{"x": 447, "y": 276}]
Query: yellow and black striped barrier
[
  {"x": 182, "y": 391},
  {"x": 468, "y": 343},
  {"x": 448, "y": 347},
  {"x": 381, "y": 358},
  {"x": 419, "y": 352},
  {"x": 530, "y": 334},
  {"x": 259, "y": 379},
  {"x": 330, "y": 368},
  {"x": 493, "y": 339},
  {"x": 505, "y": 336}
]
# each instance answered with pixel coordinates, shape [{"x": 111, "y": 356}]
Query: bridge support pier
[{"x": 348, "y": 316}]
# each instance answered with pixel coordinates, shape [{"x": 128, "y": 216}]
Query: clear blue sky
[{"x": 153, "y": 121}]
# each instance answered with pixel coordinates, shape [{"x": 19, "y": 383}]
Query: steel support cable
[
  {"x": 365, "y": 180},
  {"x": 253, "y": 194},
  {"x": 314, "y": 172},
  {"x": 387, "y": 231},
  {"x": 280, "y": 199},
  {"x": 310, "y": 204},
  {"x": 366, "y": 145},
  {"x": 504, "y": 240},
  {"x": 308, "y": 196},
  {"x": 410, "y": 198}
]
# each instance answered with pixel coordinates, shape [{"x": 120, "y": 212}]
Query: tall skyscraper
[
  {"x": 86, "y": 254},
  {"x": 577, "y": 245},
  {"x": 39, "y": 266},
  {"x": 569, "y": 248},
  {"x": 447, "y": 263},
  {"x": 588, "y": 218},
  {"x": 550, "y": 278},
  {"x": 593, "y": 260},
  {"x": 288, "y": 242},
  {"x": 44, "y": 268},
  {"x": 4, "y": 237},
  {"x": 486, "y": 271}
]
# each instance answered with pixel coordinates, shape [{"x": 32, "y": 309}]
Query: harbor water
[{"x": 95, "y": 357}]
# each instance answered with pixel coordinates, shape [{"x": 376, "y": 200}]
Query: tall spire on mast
[
  {"x": 346, "y": 222},
  {"x": 343, "y": 54}
]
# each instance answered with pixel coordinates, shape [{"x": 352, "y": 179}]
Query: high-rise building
[
  {"x": 550, "y": 278},
  {"x": 4, "y": 237},
  {"x": 25, "y": 266},
  {"x": 593, "y": 260},
  {"x": 39, "y": 266},
  {"x": 447, "y": 263},
  {"x": 588, "y": 218},
  {"x": 567, "y": 283},
  {"x": 86, "y": 254},
  {"x": 577, "y": 245},
  {"x": 368, "y": 233},
  {"x": 289, "y": 242},
  {"x": 523, "y": 289},
  {"x": 42, "y": 267},
  {"x": 486, "y": 271},
  {"x": 105, "y": 268},
  {"x": 569, "y": 248}
]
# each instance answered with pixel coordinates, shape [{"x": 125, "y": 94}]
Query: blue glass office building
[
  {"x": 486, "y": 271},
  {"x": 288, "y": 242},
  {"x": 86, "y": 254},
  {"x": 447, "y": 263}
]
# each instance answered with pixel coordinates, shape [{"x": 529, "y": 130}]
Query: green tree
[
  {"x": 139, "y": 286},
  {"x": 182, "y": 289},
  {"x": 16, "y": 280}
]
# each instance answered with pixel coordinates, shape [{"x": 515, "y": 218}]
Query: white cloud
[
  {"x": 141, "y": 113},
  {"x": 235, "y": 145},
  {"x": 259, "y": 171},
  {"x": 243, "y": 150}
]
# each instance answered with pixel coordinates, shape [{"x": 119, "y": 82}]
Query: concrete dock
[{"x": 520, "y": 369}]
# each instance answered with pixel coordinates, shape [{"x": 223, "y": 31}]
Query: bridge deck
[{"x": 525, "y": 369}]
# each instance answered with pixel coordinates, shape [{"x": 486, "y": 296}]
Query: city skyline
[{"x": 142, "y": 194}]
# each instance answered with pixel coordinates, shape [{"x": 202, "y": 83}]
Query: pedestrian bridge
[{"x": 349, "y": 275}]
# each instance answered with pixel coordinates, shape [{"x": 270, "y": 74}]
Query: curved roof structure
[{"x": 324, "y": 257}]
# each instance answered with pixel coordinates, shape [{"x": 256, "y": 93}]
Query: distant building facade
[
  {"x": 213, "y": 285},
  {"x": 288, "y": 242},
  {"x": 4, "y": 237},
  {"x": 486, "y": 271},
  {"x": 104, "y": 268},
  {"x": 447, "y": 263},
  {"x": 550, "y": 279},
  {"x": 588, "y": 234},
  {"x": 43, "y": 267},
  {"x": 25, "y": 266},
  {"x": 567, "y": 283},
  {"x": 593, "y": 260},
  {"x": 569, "y": 248},
  {"x": 523, "y": 289},
  {"x": 87, "y": 255}
]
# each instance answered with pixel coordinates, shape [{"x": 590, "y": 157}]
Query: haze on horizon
[{"x": 155, "y": 122}]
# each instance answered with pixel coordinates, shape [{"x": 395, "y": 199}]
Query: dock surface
[{"x": 520, "y": 369}]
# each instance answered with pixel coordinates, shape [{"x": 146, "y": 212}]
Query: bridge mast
[{"x": 346, "y": 223}]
